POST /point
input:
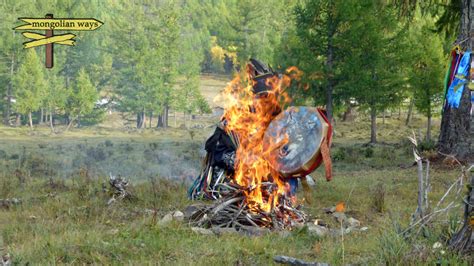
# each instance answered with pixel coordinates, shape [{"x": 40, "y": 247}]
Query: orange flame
[{"x": 247, "y": 116}]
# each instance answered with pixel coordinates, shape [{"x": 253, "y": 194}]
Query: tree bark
[
  {"x": 428, "y": 129},
  {"x": 463, "y": 240},
  {"x": 8, "y": 106},
  {"x": 410, "y": 112},
  {"x": 150, "y": 118},
  {"x": 51, "y": 123},
  {"x": 165, "y": 116},
  {"x": 18, "y": 120},
  {"x": 455, "y": 137},
  {"x": 139, "y": 118},
  {"x": 71, "y": 121},
  {"x": 175, "y": 119},
  {"x": 30, "y": 119},
  {"x": 41, "y": 116},
  {"x": 329, "y": 64},
  {"x": 160, "y": 121},
  {"x": 452, "y": 127},
  {"x": 383, "y": 117},
  {"x": 373, "y": 125}
]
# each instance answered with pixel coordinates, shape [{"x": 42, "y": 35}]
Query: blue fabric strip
[{"x": 457, "y": 86}]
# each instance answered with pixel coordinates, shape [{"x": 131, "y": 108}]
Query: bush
[
  {"x": 378, "y": 198},
  {"x": 426, "y": 145},
  {"x": 94, "y": 118},
  {"x": 3, "y": 154},
  {"x": 108, "y": 143},
  {"x": 339, "y": 155},
  {"x": 97, "y": 154},
  {"x": 369, "y": 152},
  {"x": 393, "y": 248}
]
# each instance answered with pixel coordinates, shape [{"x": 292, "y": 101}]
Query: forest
[
  {"x": 99, "y": 153},
  {"x": 147, "y": 58}
]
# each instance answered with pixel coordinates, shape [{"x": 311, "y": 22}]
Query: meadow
[{"x": 62, "y": 182}]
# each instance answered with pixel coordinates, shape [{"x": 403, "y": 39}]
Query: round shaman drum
[{"x": 293, "y": 140}]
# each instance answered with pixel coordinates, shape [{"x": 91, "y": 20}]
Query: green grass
[
  {"x": 68, "y": 221},
  {"x": 64, "y": 217}
]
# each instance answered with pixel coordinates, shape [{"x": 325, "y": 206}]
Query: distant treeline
[{"x": 147, "y": 57}]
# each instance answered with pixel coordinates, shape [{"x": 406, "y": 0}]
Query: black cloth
[{"x": 220, "y": 147}]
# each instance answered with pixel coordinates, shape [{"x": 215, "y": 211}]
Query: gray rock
[
  {"x": 329, "y": 210},
  {"x": 223, "y": 231},
  {"x": 194, "y": 212},
  {"x": 351, "y": 222},
  {"x": 340, "y": 217},
  {"x": 202, "y": 231},
  {"x": 254, "y": 231},
  {"x": 363, "y": 229},
  {"x": 284, "y": 233},
  {"x": 178, "y": 216},
  {"x": 317, "y": 230},
  {"x": 166, "y": 219},
  {"x": 297, "y": 262}
]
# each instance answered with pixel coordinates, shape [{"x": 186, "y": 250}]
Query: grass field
[{"x": 64, "y": 218}]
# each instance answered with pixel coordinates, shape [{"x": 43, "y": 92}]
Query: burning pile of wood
[{"x": 232, "y": 210}]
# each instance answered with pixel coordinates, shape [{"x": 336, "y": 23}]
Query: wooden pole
[{"x": 49, "y": 47}]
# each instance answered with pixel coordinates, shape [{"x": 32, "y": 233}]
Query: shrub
[
  {"x": 339, "y": 155},
  {"x": 426, "y": 145},
  {"x": 378, "y": 197},
  {"x": 108, "y": 143},
  {"x": 3, "y": 154},
  {"x": 392, "y": 249},
  {"x": 97, "y": 154},
  {"x": 369, "y": 152}
]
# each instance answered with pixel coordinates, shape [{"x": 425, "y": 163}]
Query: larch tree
[
  {"x": 320, "y": 24},
  {"x": 56, "y": 95},
  {"x": 29, "y": 85},
  {"x": 82, "y": 99},
  {"x": 371, "y": 68},
  {"x": 426, "y": 79}
]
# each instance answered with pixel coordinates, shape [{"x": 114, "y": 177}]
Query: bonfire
[{"x": 256, "y": 194}]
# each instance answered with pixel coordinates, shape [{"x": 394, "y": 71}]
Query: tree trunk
[
  {"x": 8, "y": 106},
  {"x": 184, "y": 118},
  {"x": 329, "y": 65},
  {"x": 463, "y": 240},
  {"x": 410, "y": 112},
  {"x": 160, "y": 121},
  {"x": 383, "y": 117},
  {"x": 175, "y": 119},
  {"x": 455, "y": 137},
  {"x": 350, "y": 114},
  {"x": 41, "y": 116},
  {"x": 151, "y": 118},
  {"x": 30, "y": 119},
  {"x": 18, "y": 120},
  {"x": 71, "y": 121},
  {"x": 373, "y": 125},
  {"x": 428, "y": 129},
  {"x": 165, "y": 117},
  {"x": 139, "y": 119},
  {"x": 51, "y": 123}
]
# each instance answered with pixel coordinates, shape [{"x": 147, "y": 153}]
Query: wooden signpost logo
[{"x": 49, "y": 24}]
